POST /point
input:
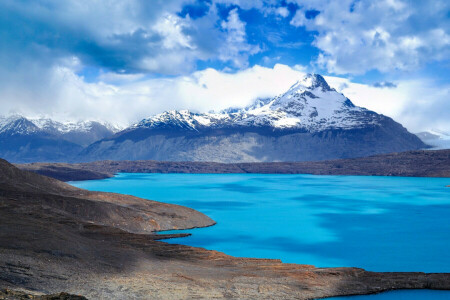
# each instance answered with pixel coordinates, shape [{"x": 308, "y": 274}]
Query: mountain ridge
[
  {"x": 50, "y": 125},
  {"x": 310, "y": 121},
  {"x": 26, "y": 140},
  {"x": 297, "y": 108}
]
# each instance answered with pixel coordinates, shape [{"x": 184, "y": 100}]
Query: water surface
[{"x": 377, "y": 223}]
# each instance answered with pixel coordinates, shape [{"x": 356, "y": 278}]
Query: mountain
[
  {"x": 29, "y": 140},
  {"x": 311, "y": 121},
  {"x": 82, "y": 133},
  {"x": 437, "y": 139}
]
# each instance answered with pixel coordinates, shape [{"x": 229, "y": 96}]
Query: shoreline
[
  {"x": 423, "y": 163},
  {"x": 57, "y": 238}
]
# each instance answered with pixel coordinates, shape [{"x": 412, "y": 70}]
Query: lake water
[{"x": 377, "y": 223}]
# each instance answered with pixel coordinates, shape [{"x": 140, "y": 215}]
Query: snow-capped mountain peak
[
  {"x": 310, "y": 121},
  {"x": 47, "y": 124},
  {"x": 182, "y": 118},
  {"x": 81, "y": 133},
  {"x": 309, "y": 82},
  {"x": 16, "y": 125},
  {"x": 316, "y": 106},
  {"x": 309, "y": 105}
]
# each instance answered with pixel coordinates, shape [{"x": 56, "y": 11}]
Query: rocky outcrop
[
  {"x": 54, "y": 237},
  {"x": 425, "y": 163}
]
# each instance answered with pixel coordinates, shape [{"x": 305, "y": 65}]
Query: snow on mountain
[
  {"x": 17, "y": 124},
  {"x": 82, "y": 126},
  {"x": 310, "y": 104},
  {"x": 43, "y": 139},
  {"x": 438, "y": 139},
  {"x": 311, "y": 121}
]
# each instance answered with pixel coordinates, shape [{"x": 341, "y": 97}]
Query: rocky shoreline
[
  {"x": 423, "y": 163},
  {"x": 57, "y": 238}
]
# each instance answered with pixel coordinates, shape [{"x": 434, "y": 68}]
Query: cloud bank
[
  {"x": 417, "y": 104},
  {"x": 123, "y": 61}
]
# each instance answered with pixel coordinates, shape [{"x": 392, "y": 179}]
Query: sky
[{"x": 121, "y": 61}]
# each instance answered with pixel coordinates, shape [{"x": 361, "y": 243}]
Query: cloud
[
  {"x": 237, "y": 49},
  {"x": 418, "y": 104},
  {"x": 247, "y": 4},
  {"x": 387, "y": 35},
  {"x": 126, "y": 98},
  {"x": 282, "y": 11},
  {"x": 122, "y": 61},
  {"x": 135, "y": 36},
  {"x": 385, "y": 84},
  {"x": 171, "y": 37},
  {"x": 123, "y": 99}
]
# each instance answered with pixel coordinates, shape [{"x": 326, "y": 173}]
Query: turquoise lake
[{"x": 373, "y": 222}]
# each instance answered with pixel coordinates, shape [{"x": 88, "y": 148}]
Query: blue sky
[{"x": 66, "y": 59}]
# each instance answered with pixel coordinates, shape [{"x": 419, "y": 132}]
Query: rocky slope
[
  {"x": 423, "y": 163},
  {"x": 27, "y": 140},
  {"x": 311, "y": 121},
  {"x": 124, "y": 212},
  {"x": 54, "y": 237}
]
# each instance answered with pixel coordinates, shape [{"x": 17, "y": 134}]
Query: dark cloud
[
  {"x": 49, "y": 31},
  {"x": 166, "y": 37},
  {"x": 385, "y": 84}
]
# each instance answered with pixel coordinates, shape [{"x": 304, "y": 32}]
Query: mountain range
[
  {"x": 310, "y": 121},
  {"x": 28, "y": 140}
]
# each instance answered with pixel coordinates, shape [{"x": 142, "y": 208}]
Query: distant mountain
[
  {"x": 437, "y": 139},
  {"x": 82, "y": 133},
  {"x": 311, "y": 121},
  {"x": 29, "y": 140}
]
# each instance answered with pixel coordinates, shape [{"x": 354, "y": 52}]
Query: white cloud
[
  {"x": 135, "y": 36},
  {"x": 117, "y": 78},
  {"x": 358, "y": 36},
  {"x": 417, "y": 104},
  {"x": 236, "y": 48},
  {"x": 68, "y": 97},
  {"x": 282, "y": 11}
]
